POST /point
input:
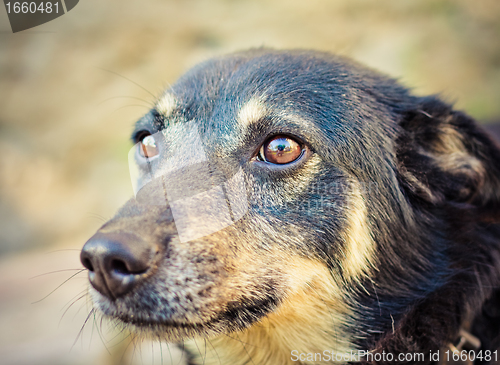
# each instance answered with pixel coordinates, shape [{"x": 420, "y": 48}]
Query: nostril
[
  {"x": 87, "y": 264},
  {"x": 119, "y": 267},
  {"x": 124, "y": 267}
]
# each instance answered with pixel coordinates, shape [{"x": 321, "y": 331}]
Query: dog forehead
[
  {"x": 235, "y": 91},
  {"x": 250, "y": 74}
]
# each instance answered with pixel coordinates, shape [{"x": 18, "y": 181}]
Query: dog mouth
[
  {"x": 235, "y": 316},
  {"x": 147, "y": 323}
]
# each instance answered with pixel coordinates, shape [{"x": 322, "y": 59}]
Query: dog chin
[
  {"x": 161, "y": 326},
  {"x": 170, "y": 331}
]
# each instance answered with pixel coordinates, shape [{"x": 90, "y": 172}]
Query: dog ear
[{"x": 444, "y": 157}]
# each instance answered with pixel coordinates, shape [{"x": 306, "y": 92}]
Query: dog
[{"x": 295, "y": 207}]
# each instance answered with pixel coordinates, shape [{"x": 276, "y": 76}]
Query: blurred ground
[{"x": 65, "y": 116}]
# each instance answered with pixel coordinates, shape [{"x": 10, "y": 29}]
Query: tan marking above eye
[
  {"x": 147, "y": 147},
  {"x": 252, "y": 112},
  {"x": 167, "y": 104},
  {"x": 280, "y": 150}
]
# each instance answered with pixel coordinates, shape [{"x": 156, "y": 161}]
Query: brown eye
[
  {"x": 147, "y": 147},
  {"x": 280, "y": 150}
]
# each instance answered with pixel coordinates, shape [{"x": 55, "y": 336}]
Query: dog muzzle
[{"x": 171, "y": 168}]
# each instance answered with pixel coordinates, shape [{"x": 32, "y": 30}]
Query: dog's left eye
[
  {"x": 280, "y": 150},
  {"x": 147, "y": 146}
]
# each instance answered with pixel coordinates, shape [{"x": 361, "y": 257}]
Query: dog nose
[{"x": 116, "y": 262}]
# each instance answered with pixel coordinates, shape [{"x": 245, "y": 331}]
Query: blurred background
[{"x": 71, "y": 89}]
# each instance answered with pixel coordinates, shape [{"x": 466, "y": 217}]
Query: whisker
[
  {"x": 152, "y": 353},
  {"x": 249, "y": 357},
  {"x": 64, "y": 282},
  {"x": 126, "y": 78},
  {"x": 205, "y": 341},
  {"x": 242, "y": 342},
  {"x": 100, "y": 324},
  {"x": 132, "y": 338},
  {"x": 183, "y": 350},
  {"x": 130, "y": 105},
  {"x": 161, "y": 352},
  {"x": 64, "y": 249},
  {"x": 69, "y": 301},
  {"x": 100, "y": 334},
  {"x": 54, "y": 272},
  {"x": 81, "y": 307},
  {"x": 118, "y": 334},
  {"x": 92, "y": 311},
  {"x": 67, "y": 309},
  {"x": 199, "y": 350},
  {"x": 92, "y": 332},
  {"x": 117, "y": 326},
  {"x": 215, "y": 350},
  {"x": 98, "y": 216},
  {"x": 127, "y": 97},
  {"x": 133, "y": 352}
]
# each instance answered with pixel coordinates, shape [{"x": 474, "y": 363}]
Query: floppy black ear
[{"x": 445, "y": 157}]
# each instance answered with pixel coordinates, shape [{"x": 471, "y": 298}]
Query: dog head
[{"x": 302, "y": 197}]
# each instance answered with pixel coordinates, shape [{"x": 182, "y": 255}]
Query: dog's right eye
[
  {"x": 147, "y": 146},
  {"x": 280, "y": 150}
]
